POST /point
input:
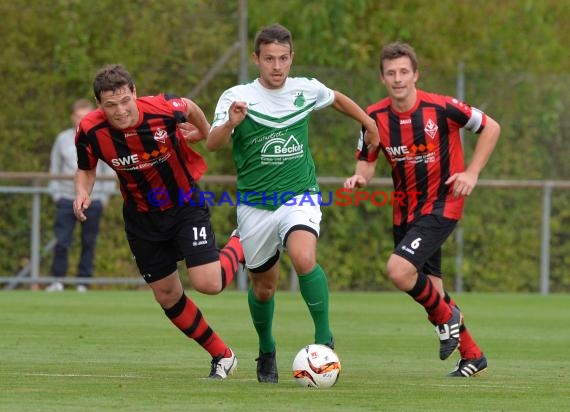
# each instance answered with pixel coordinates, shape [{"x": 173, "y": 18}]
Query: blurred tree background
[{"x": 516, "y": 65}]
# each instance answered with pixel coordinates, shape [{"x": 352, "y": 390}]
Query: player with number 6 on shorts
[{"x": 420, "y": 138}]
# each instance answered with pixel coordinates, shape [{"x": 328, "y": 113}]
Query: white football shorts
[{"x": 263, "y": 232}]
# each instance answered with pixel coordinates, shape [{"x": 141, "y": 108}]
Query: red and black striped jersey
[
  {"x": 423, "y": 147},
  {"x": 151, "y": 158}
]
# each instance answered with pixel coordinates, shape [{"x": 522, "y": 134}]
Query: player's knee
[
  {"x": 399, "y": 270},
  {"x": 207, "y": 286},
  {"x": 397, "y": 280},
  {"x": 264, "y": 292},
  {"x": 264, "y": 295},
  {"x": 206, "y": 278},
  {"x": 304, "y": 262},
  {"x": 167, "y": 298}
]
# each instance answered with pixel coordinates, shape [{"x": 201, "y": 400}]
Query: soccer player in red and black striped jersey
[
  {"x": 420, "y": 138},
  {"x": 165, "y": 221}
]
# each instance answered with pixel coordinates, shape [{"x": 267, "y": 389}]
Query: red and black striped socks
[
  {"x": 427, "y": 295},
  {"x": 187, "y": 317},
  {"x": 230, "y": 256}
]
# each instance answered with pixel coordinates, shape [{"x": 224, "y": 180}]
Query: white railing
[{"x": 36, "y": 187}]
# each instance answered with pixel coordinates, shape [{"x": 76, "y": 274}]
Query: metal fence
[{"x": 36, "y": 187}]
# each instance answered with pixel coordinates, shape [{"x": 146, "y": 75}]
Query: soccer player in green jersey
[{"x": 267, "y": 121}]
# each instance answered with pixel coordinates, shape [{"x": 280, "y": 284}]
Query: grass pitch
[{"x": 106, "y": 350}]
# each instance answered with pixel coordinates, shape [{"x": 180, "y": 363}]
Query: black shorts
[
  {"x": 158, "y": 240},
  {"x": 420, "y": 241}
]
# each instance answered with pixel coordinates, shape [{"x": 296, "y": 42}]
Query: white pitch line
[
  {"x": 81, "y": 375},
  {"x": 477, "y": 385},
  {"x": 473, "y": 385}
]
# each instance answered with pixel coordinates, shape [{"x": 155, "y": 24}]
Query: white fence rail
[{"x": 36, "y": 187}]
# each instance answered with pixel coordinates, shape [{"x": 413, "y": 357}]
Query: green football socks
[
  {"x": 262, "y": 317},
  {"x": 315, "y": 291}
]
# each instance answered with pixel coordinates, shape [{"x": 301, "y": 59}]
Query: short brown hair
[
  {"x": 110, "y": 78},
  {"x": 275, "y": 33},
  {"x": 82, "y": 104},
  {"x": 398, "y": 49}
]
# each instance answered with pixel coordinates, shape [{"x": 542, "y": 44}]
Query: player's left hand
[{"x": 462, "y": 184}]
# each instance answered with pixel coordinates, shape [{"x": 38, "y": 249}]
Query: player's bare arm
[
  {"x": 462, "y": 184},
  {"x": 346, "y": 105},
  {"x": 362, "y": 176},
  {"x": 197, "y": 127},
  {"x": 219, "y": 136},
  {"x": 84, "y": 181}
]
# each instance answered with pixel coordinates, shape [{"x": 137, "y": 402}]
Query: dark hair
[
  {"x": 275, "y": 33},
  {"x": 110, "y": 78},
  {"x": 395, "y": 50}
]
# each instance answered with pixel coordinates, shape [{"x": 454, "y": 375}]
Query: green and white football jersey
[{"x": 271, "y": 145}]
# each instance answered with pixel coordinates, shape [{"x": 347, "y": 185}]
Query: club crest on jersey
[
  {"x": 431, "y": 128},
  {"x": 299, "y": 100},
  {"x": 160, "y": 135}
]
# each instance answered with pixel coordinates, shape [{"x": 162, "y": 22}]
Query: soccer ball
[{"x": 316, "y": 366}]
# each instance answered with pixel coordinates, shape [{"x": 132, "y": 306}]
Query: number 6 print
[{"x": 416, "y": 243}]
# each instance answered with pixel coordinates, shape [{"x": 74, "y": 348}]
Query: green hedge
[{"x": 51, "y": 50}]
